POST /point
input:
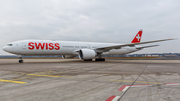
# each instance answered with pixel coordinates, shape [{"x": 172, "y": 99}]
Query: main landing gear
[
  {"x": 97, "y": 59},
  {"x": 21, "y": 60},
  {"x": 100, "y": 59},
  {"x": 87, "y": 59}
]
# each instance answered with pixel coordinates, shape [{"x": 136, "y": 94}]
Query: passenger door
[{"x": 24, "y": 45}]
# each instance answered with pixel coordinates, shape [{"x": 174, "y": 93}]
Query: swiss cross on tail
[{"x": 137, "y": 38}]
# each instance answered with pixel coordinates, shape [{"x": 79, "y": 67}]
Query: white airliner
[{"x": 68, "y": 49}]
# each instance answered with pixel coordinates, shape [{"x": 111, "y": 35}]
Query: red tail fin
[{"x": 137, "y": 38}]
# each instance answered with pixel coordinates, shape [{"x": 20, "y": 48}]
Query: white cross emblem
[{"x": 138, "y": 37}]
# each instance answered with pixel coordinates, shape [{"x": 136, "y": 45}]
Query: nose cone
[{"x": 6, "y": 48}]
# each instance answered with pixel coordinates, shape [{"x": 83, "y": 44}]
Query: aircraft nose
[{"x": 5, "y": 48}]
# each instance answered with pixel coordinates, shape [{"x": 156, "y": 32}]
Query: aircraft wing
[
  {"x": 130, "y": 44},
  {"x": 146, "y": 46}
]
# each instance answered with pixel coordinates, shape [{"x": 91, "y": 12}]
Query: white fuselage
[{"x": 48, "y": 47}]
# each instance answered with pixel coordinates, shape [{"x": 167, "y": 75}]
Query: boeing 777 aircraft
[{"x": 68, "y": 49}]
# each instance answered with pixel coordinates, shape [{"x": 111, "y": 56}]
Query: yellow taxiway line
[
  {"x": 50, "y": 75},
  {"x": 43, "y": 75},
  {"x": 24, "y": 78},
  {"x": 136, "y": 81},
  {"x": 1, "y": 80}
]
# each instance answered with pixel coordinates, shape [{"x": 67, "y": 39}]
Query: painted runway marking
[
  {"x": 116, "y": 98},
  {"x": 50, "y": 75},
  {"x": 43, "y": 75},
  {"x": 125, "y": 87},
  {"x": 113, "y": 98},
  {"x": 25, "y": 78},
  {"x": 136, "y": 81},
  {"x": 1, "y": 80},
  {"x": 171, "y": 83}
]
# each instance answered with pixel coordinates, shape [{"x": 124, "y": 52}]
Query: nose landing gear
[{"x": 21, "y": 60}]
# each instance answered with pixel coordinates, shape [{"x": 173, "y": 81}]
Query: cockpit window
[{"x": 9, "y": 44}]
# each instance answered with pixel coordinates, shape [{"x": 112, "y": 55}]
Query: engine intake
[{"x": 87, "y": 54}]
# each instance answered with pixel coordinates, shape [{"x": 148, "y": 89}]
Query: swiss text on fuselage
[{"x": 43, "y": 46}]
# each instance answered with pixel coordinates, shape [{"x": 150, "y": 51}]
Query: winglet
[
  {"x": 137, "y": 38},
  {"x": 173, "y": 39}
]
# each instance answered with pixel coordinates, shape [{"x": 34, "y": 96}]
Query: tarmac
[{"x": 77, "y": 80}]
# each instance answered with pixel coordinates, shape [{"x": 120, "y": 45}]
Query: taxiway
[{"x": 76, "y": 80}]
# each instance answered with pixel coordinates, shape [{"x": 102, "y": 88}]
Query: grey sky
[{"x": 113, "y": 21}]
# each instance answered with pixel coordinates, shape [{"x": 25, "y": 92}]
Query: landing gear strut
[
  {"x": 21, "y": 60},
  {"x": 100, "y": 58}
]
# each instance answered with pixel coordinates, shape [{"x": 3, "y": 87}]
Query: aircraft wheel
[
  {"x": 87, "y": 59},
  {"x": 20, "y": 61},
  {"x": 100, "y": 59}
]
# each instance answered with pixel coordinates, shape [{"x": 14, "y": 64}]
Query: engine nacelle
[
  {"x": 87, "y": 54},
  {"x": 68, "y": 56}
]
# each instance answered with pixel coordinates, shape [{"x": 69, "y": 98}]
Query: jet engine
[
  {"x": 87, "y": 54},
  {"x": 68, "y": 56}
]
